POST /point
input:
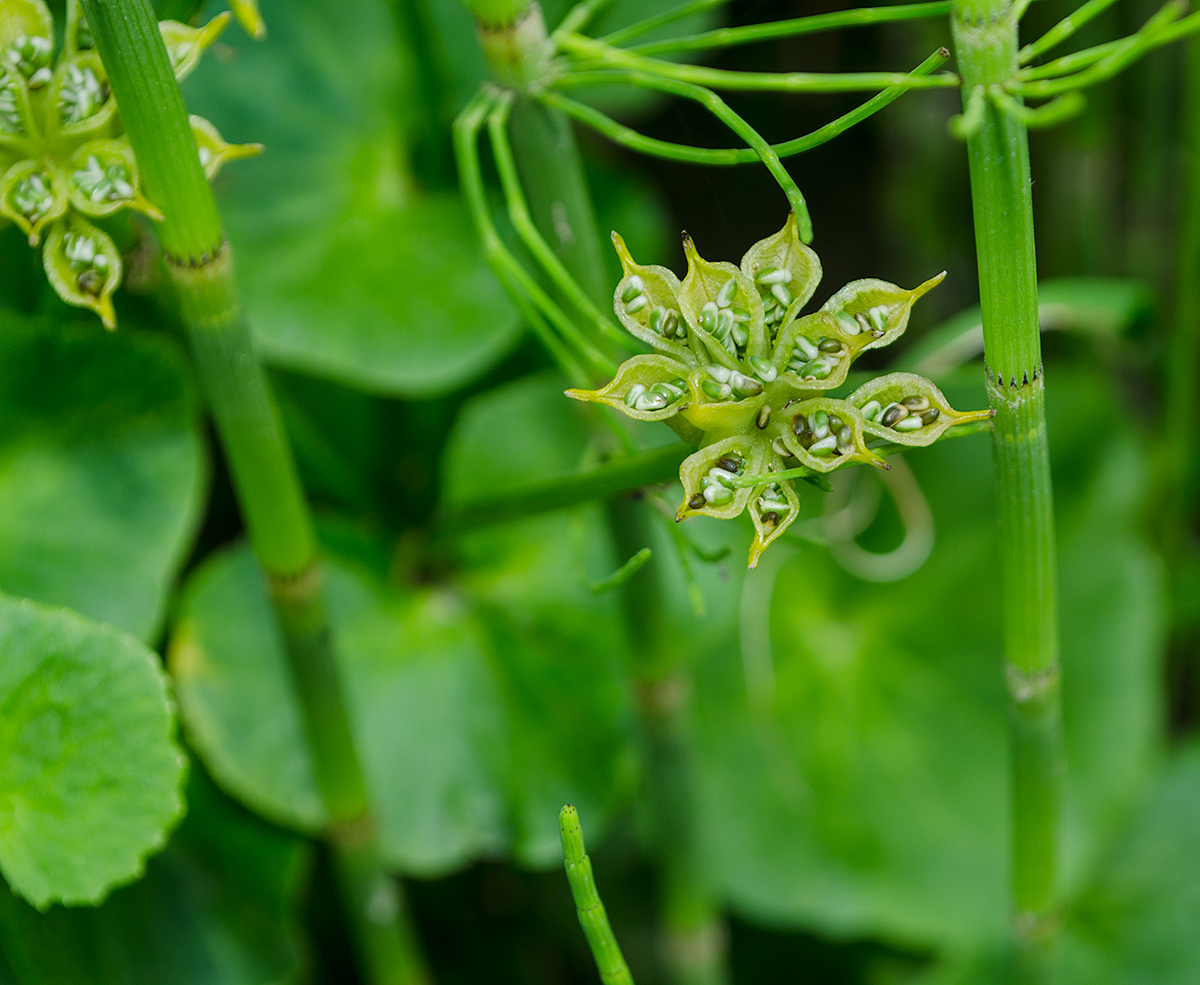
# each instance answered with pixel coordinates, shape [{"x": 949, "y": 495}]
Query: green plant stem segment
[
  {"x": 269, "y": 493},
  {"x": 985, "y": 38},
  {"x": 592, "y": 917},
  {"x": 550, "y": 172}
]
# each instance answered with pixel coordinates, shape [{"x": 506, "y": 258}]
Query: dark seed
[
  {"x": 930, "y": 415},
  {"x": 799, "y": 425},
  {"x": 770, "y": 518},
  {"x": 917, "y": 403},
  {"x": 764, "y": 417},
  {"x": 893, "y": 413},
  {"x": 729, "y": 464},
  {"x": 835, "y": 423},
  {"x": 697, "y": 502}
]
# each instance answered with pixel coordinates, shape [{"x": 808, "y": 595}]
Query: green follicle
[
  {"x": 214, "y": 151},
  {"x": 87, "y": 261},
  {"x": 185, "y": 44},
  {"x": 754, "y": 393},
  {"x": 81, "y": 95},
  {"x": 33, "y": 197},
  {"x": 11, "y": 122},
  {"x": 30, "y": 54},
  {"x": 100, "y": 184}
]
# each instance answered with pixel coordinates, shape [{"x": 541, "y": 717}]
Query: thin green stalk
[
  {"x": 614, "y": 477},
  {"x": 518, "y": 212},
  {"x": 592, "y": 917},
  {"x": 727, "y": 37},
  {"x": 530, "y": 298},
  {"x": 579, "y": 16},
  {"x": 1071, "y": 63},
  {"x": 1064, "y": 29},
  {"x": 623, "y": 573},
  {"x": 985, "y": 38},
  {"x": 269, "y": 493},
  {"x": 598, "y": 53},
  {"x": 660, "y": 20},
  {"x": 628, "y": 137},
  {"x": 721, "y": 110}
]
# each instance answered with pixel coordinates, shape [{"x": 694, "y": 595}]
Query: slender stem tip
[{"x": 572, "y": 834}]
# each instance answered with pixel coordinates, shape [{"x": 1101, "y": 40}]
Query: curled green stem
[{"x": 721, "y": 110}]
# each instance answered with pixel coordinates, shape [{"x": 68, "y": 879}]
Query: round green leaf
[
  {"x": 218, "y": 905},
  {"x": 101, "y": 469},
  {"x": 89, "y": 771},
  {"x": 867, "y": 793},
  {"x": 349, "y": 270}
]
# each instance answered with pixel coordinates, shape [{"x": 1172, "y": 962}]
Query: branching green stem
[
  {"x": 596, "y": 53},
  {"x": 628, "y": 137},
  {"x": 1056, "y": 111},
  {"x": 985, "y": 37},
  {"x": 727, "y": 37},
  {"x": 269, "y": 493},
  {"x": 1152, "y": 35}
]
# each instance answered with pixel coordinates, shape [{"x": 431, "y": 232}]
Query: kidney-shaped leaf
[
  {"x": 349, "y": 270},
  {"x": 89, "y": 770}
]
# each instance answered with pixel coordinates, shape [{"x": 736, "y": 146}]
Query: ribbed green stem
[
  {"x": 201, "y": 267},
  {"x": 610, "y": 962},
  {"x": 551, "y": 174},
  {"x": 985, "y": 37}
]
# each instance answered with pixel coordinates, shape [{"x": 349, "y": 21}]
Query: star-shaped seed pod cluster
[
  {"x": 65, "y": 166},
  {"x": 736, "y": 360}
]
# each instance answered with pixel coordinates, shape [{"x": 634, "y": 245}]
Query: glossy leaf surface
[
  {"x": 89, "y": 770},
  {"x": 349, "y": 270}
]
